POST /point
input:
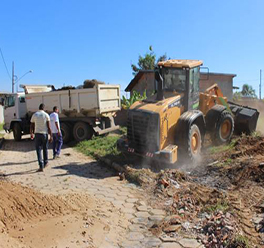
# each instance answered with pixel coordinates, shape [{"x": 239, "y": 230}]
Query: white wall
[{"x": 1, "y": 114}]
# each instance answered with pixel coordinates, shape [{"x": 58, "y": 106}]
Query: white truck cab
[{"x": 14, "y": 113}]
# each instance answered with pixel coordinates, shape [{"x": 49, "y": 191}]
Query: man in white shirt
[
  {"x": 56, "y": 132},
  {"x": 40, "y": 125}
]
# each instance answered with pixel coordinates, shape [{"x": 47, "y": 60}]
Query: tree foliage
[
  {"x": 147, "y": 62},
  {"x": 248, "y": 91}
]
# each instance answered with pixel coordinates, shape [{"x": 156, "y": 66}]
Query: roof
[
  {"x": 219, "y": 74},
  {"x": 135, "y": 80},
  {"x": 180, "y": 63}
]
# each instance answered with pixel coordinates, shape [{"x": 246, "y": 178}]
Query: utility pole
[
  {"x": 260, "y": 85},
  {"x": 13, "y": 77}
]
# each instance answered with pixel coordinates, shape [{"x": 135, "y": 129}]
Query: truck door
[
  {"x": 194, "y": 88},
  {"x": 10, "y": 110}
]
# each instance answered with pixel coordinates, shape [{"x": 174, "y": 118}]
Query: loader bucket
[{"x": 245, "y": 118}]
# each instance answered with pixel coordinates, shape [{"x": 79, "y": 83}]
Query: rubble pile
[
  {"x": 248, "y": 146},
  {"x": 217, "y": 230}
]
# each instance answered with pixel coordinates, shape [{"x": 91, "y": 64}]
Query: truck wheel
[
  {"x": 17, "y": 132},
  {"x": 224, "y": 129},
  {"x": 82, "y": 131},
  {"x": 65, "y": 132},
  {"x": 194, "y": 143}
]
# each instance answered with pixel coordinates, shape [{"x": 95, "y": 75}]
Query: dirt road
[{"x": 106, "y": 212}]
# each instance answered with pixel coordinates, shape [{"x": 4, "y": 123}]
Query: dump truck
[
  {"x": 175, "y": 119},
  {"x": 83, "y": 112}
]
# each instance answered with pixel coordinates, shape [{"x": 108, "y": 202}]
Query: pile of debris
[
  {"x": 87, "y": 84},
  {"x": 248, "y": 146},
  {"x": 217, "y": 230}
]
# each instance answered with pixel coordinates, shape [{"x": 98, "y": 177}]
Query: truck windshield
[{"x": 174, "y": 79}]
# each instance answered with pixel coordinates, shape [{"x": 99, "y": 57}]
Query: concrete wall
[
  {"x": 224, "y": 81},
  {"x": 1, "y": 114},
  {"x": 146, "y": 82}
]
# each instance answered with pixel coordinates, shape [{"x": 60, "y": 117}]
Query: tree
[
  {"x": 148, "y": 62},
  {"x": 248, "y": 91}
]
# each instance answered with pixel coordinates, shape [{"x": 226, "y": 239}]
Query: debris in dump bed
[
  {"x": 91, "y": 83},
  {"x": 87, "y": 84},
  {"x": 69, "y": 87}
]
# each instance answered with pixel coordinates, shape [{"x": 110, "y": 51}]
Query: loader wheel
[
  {"x": 194, "y": 143},
  {"x": 17, "y": 132},
  {"x": 82, "y": 131},
  {"x": 65, "y": 132},
  {"x": 224, "y": 129}
]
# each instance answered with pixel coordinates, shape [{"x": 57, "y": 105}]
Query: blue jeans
[
  {"x": 41, "y": 142},
  {"x": 57, "y": 144}
]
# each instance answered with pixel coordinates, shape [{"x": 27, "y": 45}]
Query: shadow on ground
[{"x": 87, "y": 170}]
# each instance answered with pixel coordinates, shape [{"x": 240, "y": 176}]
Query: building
[
  {"x": 144, "y": 81},
  {"x": 1, "y": 114},
  {"x": 223, "y": 80}
]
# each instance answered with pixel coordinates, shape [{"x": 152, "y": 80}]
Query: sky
[{"x": 66, "y": 42}]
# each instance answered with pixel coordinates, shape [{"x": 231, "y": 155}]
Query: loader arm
[
  {"x": 212, "y": 96},
  {"x": 245, "y": 118}
]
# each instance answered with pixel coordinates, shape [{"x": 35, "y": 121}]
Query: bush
[{"x": 126, "y": 103}]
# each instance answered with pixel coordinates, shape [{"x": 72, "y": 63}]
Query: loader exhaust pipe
[{"x": 159, "y": 79}]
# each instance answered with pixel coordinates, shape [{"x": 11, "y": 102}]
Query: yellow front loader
[{"x": 175, "y": 120}]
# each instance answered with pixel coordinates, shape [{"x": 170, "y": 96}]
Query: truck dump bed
[{"x": 96, "y": 101}]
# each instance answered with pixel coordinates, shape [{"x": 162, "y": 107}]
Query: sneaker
[
  {"x": 40, "y": 170},
  {"x": 56, "y": 156}
]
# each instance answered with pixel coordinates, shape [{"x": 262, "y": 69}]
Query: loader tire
[
  {"x": 66, "y": 132},
  {"x": 224, "y": 129},
  {"x": 17, "y": 132},
  {"x": 82, "y": 131},
  {"x": 194, "y": 143}
]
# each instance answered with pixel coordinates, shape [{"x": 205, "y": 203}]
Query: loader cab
[{"x": 182, "y": 77}]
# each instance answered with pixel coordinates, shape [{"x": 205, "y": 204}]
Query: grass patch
[
  {"x": 223, "y": 148},
  {"x": 99, "y": 146},
  {"x": 103, "y": 146},
  {"x": 1, "y": 126},
  {"x": 239, "y": 241},
  {"x": 221, "y": 205}
]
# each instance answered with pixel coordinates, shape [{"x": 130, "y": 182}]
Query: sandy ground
[
  {"x": 37, "y": 210},
  {"x": 31, "y": 219}
]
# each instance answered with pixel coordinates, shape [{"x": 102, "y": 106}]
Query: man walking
[
  {"x": 40, "y": 125},
  {"x": 56, "y": 132}
]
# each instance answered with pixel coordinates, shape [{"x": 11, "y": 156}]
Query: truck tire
[
  {"x": 82, "y": 131},
  {"x": 66, "y": 132},
  {"x": 17, "y": 131},
  {"x": 224, "y": 129},
  {"x": 194, "y": 143}
]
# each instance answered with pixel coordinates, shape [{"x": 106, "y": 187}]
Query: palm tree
[{"x": 248, "y": 91}]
